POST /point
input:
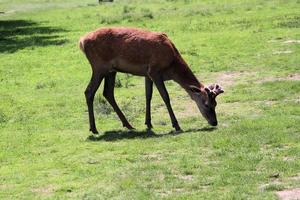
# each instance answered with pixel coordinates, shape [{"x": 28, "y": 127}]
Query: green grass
[{"x": 46, "y": 151}]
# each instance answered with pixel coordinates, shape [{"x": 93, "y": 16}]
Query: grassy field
[{"x": 251, "y": 47}]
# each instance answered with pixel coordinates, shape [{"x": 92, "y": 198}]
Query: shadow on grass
[
  {"x": 19, "y": 34},
  {"x": 132, "y": 134}
]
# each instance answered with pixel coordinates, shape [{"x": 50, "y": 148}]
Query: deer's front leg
[
  {"x": 149, "y": 90},
  {"x": 165, "y": 96}
]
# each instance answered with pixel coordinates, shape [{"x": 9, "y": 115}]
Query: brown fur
[{"x": 134, "y": 51}]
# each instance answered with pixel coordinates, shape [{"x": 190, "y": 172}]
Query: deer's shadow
[{"x": 144, "y": 134}]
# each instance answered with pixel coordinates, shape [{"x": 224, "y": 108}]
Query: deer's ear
[{"x": 195, "y": 89}]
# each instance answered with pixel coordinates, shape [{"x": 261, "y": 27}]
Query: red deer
[{"x": 142, "y": 53}]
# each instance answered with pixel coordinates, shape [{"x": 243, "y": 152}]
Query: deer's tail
[{"x": 81, "y": 44}]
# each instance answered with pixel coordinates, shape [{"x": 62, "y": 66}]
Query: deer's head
[{"x": 206, "y": 101}]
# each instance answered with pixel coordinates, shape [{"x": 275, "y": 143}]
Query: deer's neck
[{"x": 184, "y": 76}]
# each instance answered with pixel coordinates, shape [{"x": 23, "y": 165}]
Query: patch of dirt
[
  {"x": 288, "y": 159},
  {"x": 290, "y": 77},
  {"x": 179, "y": 190},
  {"x": 282, "y": 52},
  {"x": 292, "y": 42},
  {"x": 7, "y": 12},
  {"x": 189, "y": 109},
  {"x": 228, "y": 78},
  {"x": 186, "y": 177},
  {"x": 265, "y": 187},
  {"x": 46, "y": 190},
  {"x": 278, "y": 184},
  {"x": 153, "y": 157},
  {"x": 296, "y": 100},
  {"x": 4, "y": 187},
  {"x": 294, "y": 77},
  {"x": 291, "y": 194},
  {"x": 295, "y": 178},
  {"x": 166, "y": 193}
]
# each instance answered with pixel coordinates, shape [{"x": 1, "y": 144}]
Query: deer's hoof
[
  {"x": 128, "y": 126},
  {"x": 177, "y": 128},
  {"x": 149, "y": 126},
  {"x": 94, "y": 131}
]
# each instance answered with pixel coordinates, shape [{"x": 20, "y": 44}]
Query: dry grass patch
[{"x": 45, "y": 190}]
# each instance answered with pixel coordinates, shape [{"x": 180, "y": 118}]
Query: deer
[{"x": 142, "y": 53}]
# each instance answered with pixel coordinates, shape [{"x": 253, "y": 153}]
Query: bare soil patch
[
  {"x": 292, "y": 42},
  {"x": 166, "y": 193},
  {"x": 189, "y": 110},
  {"x": 282, "y": 52},
  {"x": 295, "y": 178},
  {"x": 46, "y": 190},
  {"x": 291, "y": 194},
  {"x": 5, "y": 187},
  {"x": 186, "y": 177},
  {"x": 278, "y": 184},
  {"x": 288, "y": 159},
  {"x": 153, "y": 157},
  {"x": 290, "y": 77},
  {"x": 228, "y": 78},
  {"x": 266, "y": 186}
]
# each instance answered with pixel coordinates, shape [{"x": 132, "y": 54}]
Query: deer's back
[{"x": 129, "y": 50}]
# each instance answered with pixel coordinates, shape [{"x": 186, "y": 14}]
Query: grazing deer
[{"x": 142, "y": 53}]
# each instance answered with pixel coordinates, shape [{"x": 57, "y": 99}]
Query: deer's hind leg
[
  {"x": 108, "y": 93},
  {"x": 149, "y": 91},
  {"x": 89, "y": 95}
]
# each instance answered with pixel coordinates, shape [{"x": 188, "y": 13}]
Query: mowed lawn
[{"x": 251, "y": 48}]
